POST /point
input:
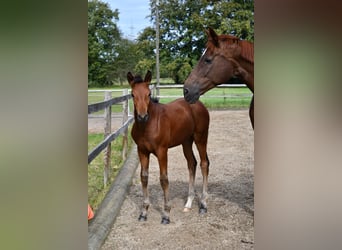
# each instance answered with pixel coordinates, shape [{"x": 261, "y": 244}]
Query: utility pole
[
  {"x": 157, "y": 46},
  {"x": 132, "y": 31}
]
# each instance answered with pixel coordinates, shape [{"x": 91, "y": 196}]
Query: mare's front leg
[
  {"x": 251, "y": 111},
  {"x": 144, "y": 162},
  {"x": 164, "y": 182}
]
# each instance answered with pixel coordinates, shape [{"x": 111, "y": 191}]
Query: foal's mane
[
  {"x": 247, "y": 48},
  {"x": 138, "y": 79}
]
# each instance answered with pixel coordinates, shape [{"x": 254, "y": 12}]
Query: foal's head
[{"x": 141, "y": 94}]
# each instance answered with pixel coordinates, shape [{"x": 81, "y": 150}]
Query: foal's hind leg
[
  {"x": 164, "y": 182},
  {"x": 189, "y": 155},
  {"x": 144, "y": 162},
  {"x": 202, "y": 149}
]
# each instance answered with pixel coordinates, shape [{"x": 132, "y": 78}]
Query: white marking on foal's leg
[
  {"x": 191, "y": 197},
  {"x": 188, "y": 203}
]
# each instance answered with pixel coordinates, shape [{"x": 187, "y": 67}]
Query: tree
[
  {"x": 103, "y": 40},
  {"x": 146, "y": 51},
  {"x": 182, "y": 25},
  {"x": 127, "y": 54}
]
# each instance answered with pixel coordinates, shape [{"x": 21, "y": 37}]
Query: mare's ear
[
  {"x": 130, "y": 78},
  {"x": 212, "y": 36},
  {"x": 148, "y": 77}
]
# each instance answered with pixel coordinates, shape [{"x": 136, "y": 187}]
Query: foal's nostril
[{"x": 143, "y": 118}]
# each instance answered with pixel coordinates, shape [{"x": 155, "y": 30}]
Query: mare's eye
[{"x": 207, "y": 60}]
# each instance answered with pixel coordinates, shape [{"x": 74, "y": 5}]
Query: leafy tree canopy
[
  {"x": 182, "y": 37},
  {"x": 183, "y": 22},
  {"x": 103, "y": 38}
]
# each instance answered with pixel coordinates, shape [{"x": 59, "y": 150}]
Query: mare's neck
[{"x": 247, "y": 73}]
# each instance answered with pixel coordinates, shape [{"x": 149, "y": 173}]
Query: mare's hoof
[
  {"x": 165, "y": 221},
  {"x": 142, "y": 218},
  {"x": 203, "y": 209}
]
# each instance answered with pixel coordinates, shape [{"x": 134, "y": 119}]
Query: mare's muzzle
[{"x": 191, "y": 94}]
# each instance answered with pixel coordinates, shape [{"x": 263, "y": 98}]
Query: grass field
[
  {"x": 240, "y": 99},
  {"x": 96, "y": 189}
]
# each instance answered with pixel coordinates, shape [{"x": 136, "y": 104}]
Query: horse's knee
[
  {"x": 164, "y": 181},
  {"x": 192, "y": 164},
  {"x": 144, "y": 179},
  {"x": 205, "y": 166}
]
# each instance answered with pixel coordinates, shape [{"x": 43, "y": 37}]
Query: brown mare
[
  {"x": 158, "y": 127},
  {"x": 225, "y": 58}
]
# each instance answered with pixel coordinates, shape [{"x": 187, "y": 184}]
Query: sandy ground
[
  {"x": 229, "y": 223},
  {"x": 96, "y": 123}
]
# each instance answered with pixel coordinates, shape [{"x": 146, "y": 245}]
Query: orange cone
[{"x": 90, "y": 213}]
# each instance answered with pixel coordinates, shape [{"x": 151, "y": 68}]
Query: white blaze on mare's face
[{"x": 204, "y": 52}]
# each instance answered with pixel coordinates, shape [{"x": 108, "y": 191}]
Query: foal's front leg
[
  {"x": 164, "y": 182},
  {"x": 144, "y": 162}
]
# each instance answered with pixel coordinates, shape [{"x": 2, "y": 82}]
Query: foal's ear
[
  {"x": 148, "y": 77},
  {"x": 130, "y": 78},
  {"x": 212, "y": 36}
]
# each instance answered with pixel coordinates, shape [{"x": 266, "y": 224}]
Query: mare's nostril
[{"x": 185, "y": 91}]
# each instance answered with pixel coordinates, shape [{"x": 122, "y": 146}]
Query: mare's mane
[{"x": 247, "y": 48}]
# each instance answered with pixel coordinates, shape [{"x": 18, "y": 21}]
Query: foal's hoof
[
  {"x": 203, "y": 209},
  {"x": 186, "y": 209},
  {"x": 142, "y": 218},
  {"x": 165, "y": 221}
]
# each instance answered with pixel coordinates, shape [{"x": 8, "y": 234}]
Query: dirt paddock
[{"x": 229, "y": 221}]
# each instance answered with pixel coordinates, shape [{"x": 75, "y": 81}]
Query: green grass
[
  {"x": 211, "y": 103},
  {"x": 96, "y": 189},
  {"x": 94, "y": 97},
  {"x": 215, "y": 103}
]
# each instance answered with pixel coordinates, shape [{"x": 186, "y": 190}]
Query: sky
[{"x": 132, "y": 16}]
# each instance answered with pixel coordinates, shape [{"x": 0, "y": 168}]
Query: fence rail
[
  {"x": 98, "y": 149},
  {"x": 102, "y": 105}
]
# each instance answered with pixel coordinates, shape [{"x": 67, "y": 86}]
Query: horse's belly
[{"x": 180, "y": 135}]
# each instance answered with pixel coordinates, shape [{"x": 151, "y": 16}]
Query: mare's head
[
  {"x": 217, "y": 65},
  {"x": 141, "y": 94}
]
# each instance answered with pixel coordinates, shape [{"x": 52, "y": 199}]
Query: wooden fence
[{"x": 108, "y": 135}]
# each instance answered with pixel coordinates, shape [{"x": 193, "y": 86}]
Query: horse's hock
[{"x": 228, "y": 224}]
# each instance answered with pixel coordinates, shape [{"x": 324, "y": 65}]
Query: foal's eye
[
  {"x": 207, "y": 60},
  {"x": 132, "y": 95}
]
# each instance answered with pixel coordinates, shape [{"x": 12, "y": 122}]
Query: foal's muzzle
[{"x": 143, "y": 118}]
